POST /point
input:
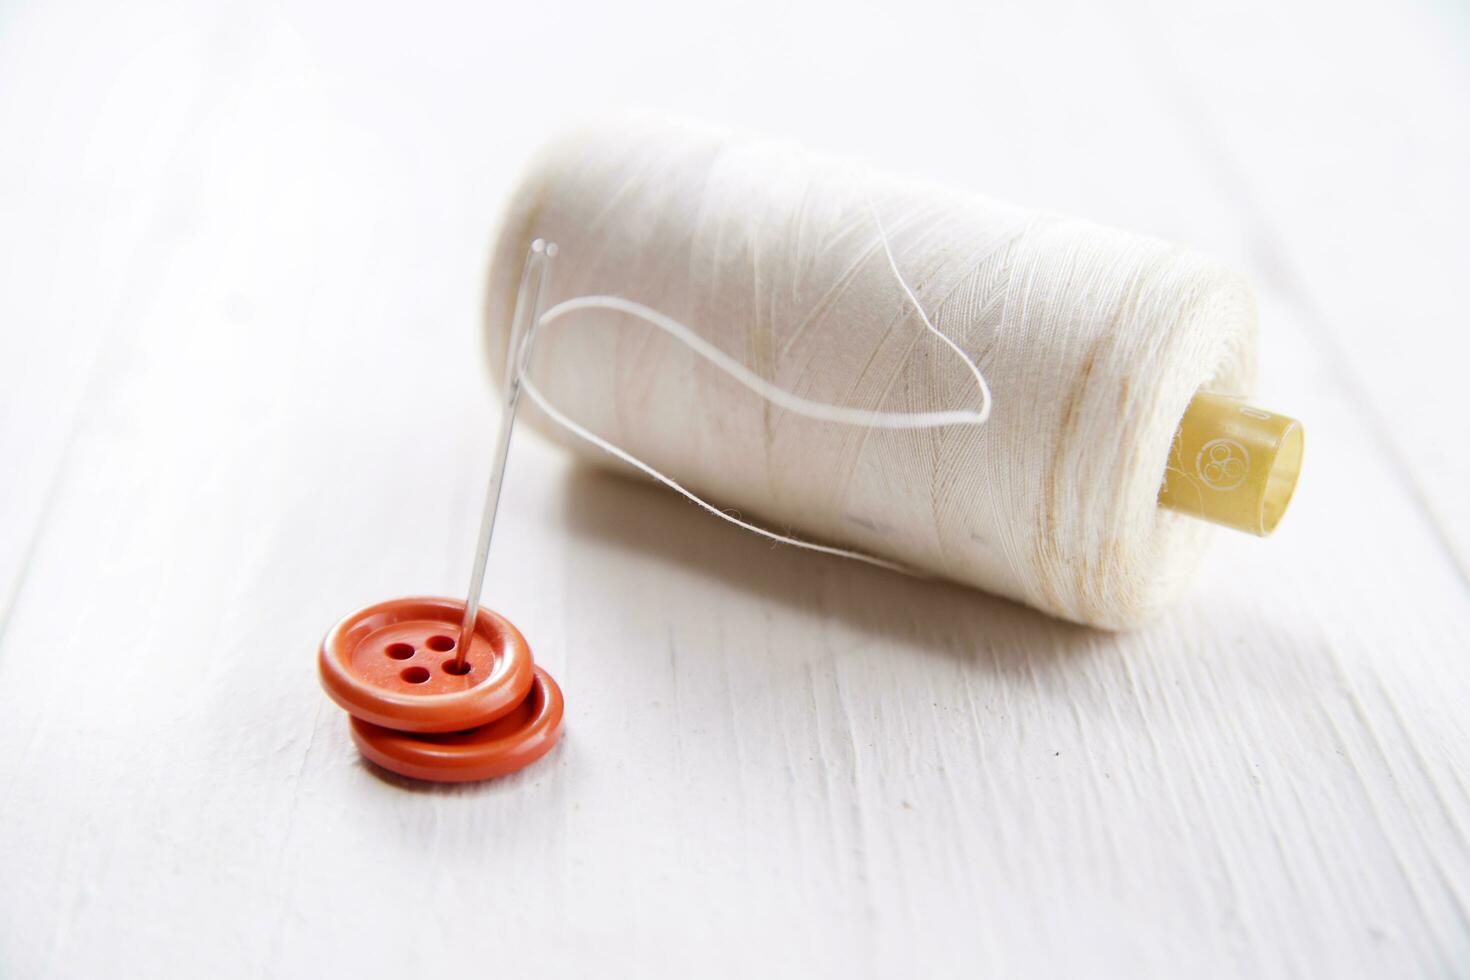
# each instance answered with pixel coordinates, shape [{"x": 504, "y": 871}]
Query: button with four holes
[{"x": 421, "y": 709}]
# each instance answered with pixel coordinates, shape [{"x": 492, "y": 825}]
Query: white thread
[
  {"x": 1093, "y": 343},
  {"x": 820, "y": 411},
  {"x": 984, "y": 412}
]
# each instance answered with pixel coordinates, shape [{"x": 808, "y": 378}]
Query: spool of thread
[{"x": 1094, "y": 342}]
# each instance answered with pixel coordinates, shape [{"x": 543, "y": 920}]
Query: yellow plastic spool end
[{"x": 1233, "y": 464}]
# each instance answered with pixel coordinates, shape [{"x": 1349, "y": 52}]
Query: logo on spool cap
[{"x": 1223, "y": 464}]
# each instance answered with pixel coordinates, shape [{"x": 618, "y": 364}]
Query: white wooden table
[{"x": 241, "y": 393}]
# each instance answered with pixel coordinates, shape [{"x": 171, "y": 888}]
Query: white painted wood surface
[{"x": 241, "y": 394}]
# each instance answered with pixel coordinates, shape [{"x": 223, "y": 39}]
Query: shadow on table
[{"x": 940, "y": 617}]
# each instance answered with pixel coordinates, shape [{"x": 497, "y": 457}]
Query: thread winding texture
[{"x": 1092, "y": 341}]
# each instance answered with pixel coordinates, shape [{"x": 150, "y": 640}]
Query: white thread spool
[{"x": 1093, "y": 342}]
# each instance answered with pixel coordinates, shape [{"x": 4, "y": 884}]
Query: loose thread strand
[{"x": 819, "y": 411}]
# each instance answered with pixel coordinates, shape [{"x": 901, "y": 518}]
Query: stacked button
[{"x": 423, "y": 708}]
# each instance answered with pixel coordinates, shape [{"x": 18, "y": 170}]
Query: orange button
[
  {"x": 509, "y": 743},
  {"x": 392, "y": 663}
]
